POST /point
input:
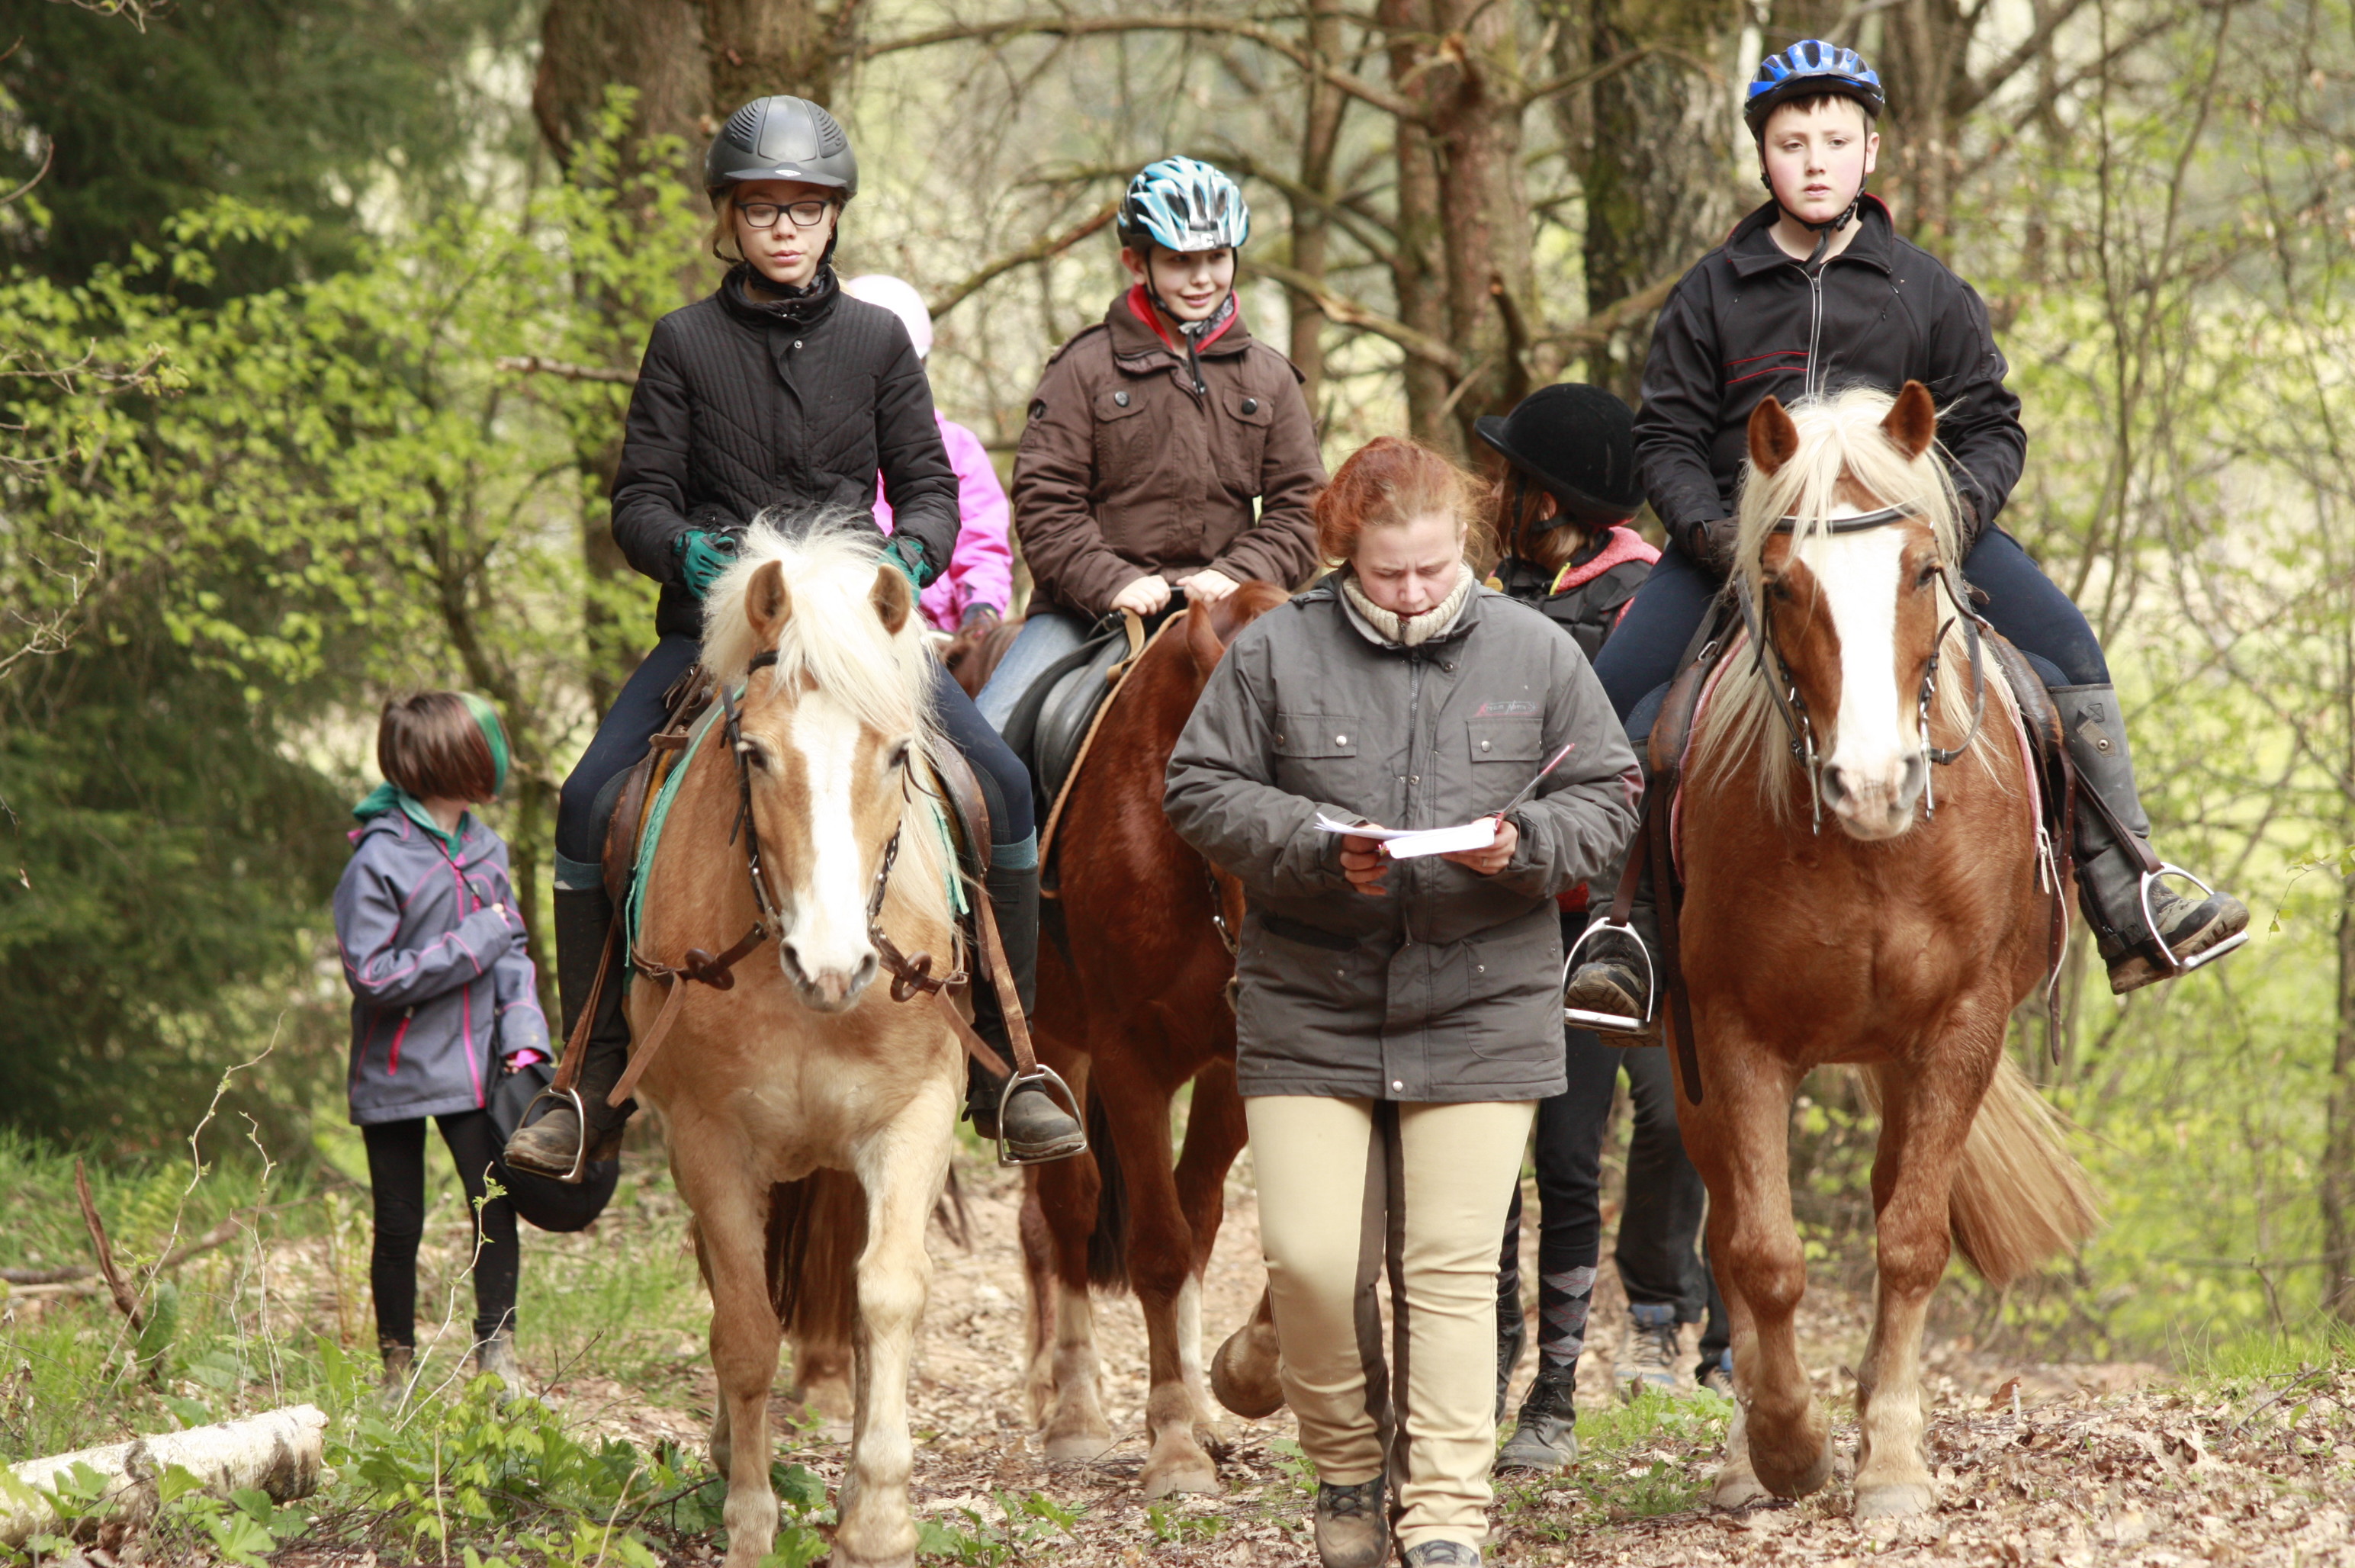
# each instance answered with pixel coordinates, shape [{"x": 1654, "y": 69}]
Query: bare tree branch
[
  {"x": 1972, "y": 91},
  {"x": 49, "y": 156},
  {"x": 1045, "y": 247},
  {"x": 1351, "y": 312},
  {"x": 533, "y": 365},
  {"x": 1267, "y": 38}
]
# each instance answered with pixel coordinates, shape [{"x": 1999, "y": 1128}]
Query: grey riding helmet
[{"x": 780, "y": 138}]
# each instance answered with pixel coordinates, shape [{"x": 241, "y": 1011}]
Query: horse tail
[
  {"x": 2020, "y": 1197},
  {"x": 817, "y": 1228},
  {"x": 1108, "y": 1242}
]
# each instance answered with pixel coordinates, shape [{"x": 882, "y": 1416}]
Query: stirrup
[
  {"x": 1613, "y": 1023},
  {"x": 2180, "y": 966},
  {"x": 579, "y": 1119},
  {"x": 1039, "y": 1072}
]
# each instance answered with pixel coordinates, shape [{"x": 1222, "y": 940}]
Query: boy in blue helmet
[{"x": 1812, "y": 292}]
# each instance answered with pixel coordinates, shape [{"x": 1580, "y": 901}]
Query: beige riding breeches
[{"x": 1348, "y": 1188}]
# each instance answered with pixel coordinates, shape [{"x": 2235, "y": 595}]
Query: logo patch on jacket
[{"x": 1514, "y": 708}]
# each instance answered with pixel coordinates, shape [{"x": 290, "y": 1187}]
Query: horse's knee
[
  {"x": 1914, "y": 1263},
  {"x": 1770, "y": 1271}
]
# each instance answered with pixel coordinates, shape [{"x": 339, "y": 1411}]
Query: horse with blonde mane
[
  {"x": 1898, "y": 936},
  {"x": 810, "y": 1117}
]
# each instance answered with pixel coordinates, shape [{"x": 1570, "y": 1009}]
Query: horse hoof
[
  {"x": 1183, "y": 1477},
  {"x": 1243, "y": 1373},
  {"x": 1736, "y": 1490},
  {"x": 1796, "y": 1483},
  {"x": 1895, "y": 1499},
  {"x": 1078, "y": 1447}
]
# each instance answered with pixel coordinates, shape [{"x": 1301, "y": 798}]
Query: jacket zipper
[
  {"x": 1413, "y": 769},
  {"x": 1815, "y": 320}
]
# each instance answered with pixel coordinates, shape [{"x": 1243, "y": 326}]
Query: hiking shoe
[
  {"x": 1351, "y": 1530},
  {"x": 2188, "y": 928},
  {"x": 399, "y": 1368},
  {"x": 496, "y": 1357},
  {"x": 1037, "y": 1129},
  {"x": 1442, "y": 1555},
  {"x": 1717, "y": 1376},
  {"x": 1512, "y": 1334},
  {"x": 1649, "y": 1361},
  {"x": 1543, "y": 1437},
  {"x": 1612, "y": 982}
]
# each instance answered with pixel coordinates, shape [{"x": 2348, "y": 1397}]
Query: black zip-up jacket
[
  {"x": 1748, "y": 320},
  {"x": 741, "y": 406}
]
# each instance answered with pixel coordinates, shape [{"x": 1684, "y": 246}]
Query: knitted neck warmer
[
  {"x": 1409, "y": 631},
  {"x": 800, "y": 308}
]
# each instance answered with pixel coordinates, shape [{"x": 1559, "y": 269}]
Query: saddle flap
[
  {"x": 968, "y": 811},
  {"x": 1064, "y": 718},
  {"x": 686, "y": 702}
]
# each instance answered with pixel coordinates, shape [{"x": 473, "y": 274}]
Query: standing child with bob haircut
[{"x": 443, "y": 995}]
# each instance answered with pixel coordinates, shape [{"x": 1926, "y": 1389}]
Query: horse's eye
[
  {"x": 1780, "y": 590},
  {"x": 754, "y": 753},
  {"x": 1926, "y": 576},
  {"x": 898, "y": 757}
]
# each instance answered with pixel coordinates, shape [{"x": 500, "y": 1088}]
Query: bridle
[{"x": 1791, "y": 707}]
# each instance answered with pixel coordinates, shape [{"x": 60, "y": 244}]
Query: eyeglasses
[{"x": 764, "y": 214}]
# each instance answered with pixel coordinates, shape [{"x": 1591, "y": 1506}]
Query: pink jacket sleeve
[{"x": 982, "y": 569}]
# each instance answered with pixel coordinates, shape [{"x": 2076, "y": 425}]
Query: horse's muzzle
[
  {"x": 1877, "y": 803},
  {"x": 830, "y": 988}
]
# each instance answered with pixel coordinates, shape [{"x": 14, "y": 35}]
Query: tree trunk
[
  {"x": 1311, "y": 229},
  {"x": 1415, "y": 273},
  {"x": 1925, "y": 64},
  {"x": 1653, "y": 165},
  {"x": 2337, "y": 1185},
  {"x": 278, "y": 1453}
]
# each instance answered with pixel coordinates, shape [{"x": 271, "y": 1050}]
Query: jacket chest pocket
[
  {"x": 1124, "y": 442},
  {"x": 1244, "y": 416},
  {"x": 1515, "y": 739},
  {"x": 1317, "y": 755}
]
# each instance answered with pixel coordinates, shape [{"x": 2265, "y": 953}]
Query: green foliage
[{"x": 1023, "y": 1525}]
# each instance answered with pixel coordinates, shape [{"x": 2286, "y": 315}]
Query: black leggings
[
  {"x": 637, "y": 712},
  {"x": 396, "y": 1156},
  {"x": 1658, "y": 1225},
  {"x": 2023, "y": 603}
]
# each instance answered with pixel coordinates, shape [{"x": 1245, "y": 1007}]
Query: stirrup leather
[
  {"x": 2174, "y": 965},
  {"x": 1038, "y": 1073},
  {"x": 1613, "y": 1023}
]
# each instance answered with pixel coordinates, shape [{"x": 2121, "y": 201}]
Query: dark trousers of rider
[
  {"x": 1658, "y": 1223},
  {"x": 396, "y": 1157},
  {"x": 2021, "y": 602},
  {"x": 637, "y": 712}
]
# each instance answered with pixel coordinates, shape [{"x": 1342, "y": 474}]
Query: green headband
[{"x": 493, "y": 731}]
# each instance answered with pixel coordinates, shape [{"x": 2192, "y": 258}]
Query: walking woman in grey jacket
[
  {"x": 443, "y": 997},
  {"x": 1398, "y": 1019}
]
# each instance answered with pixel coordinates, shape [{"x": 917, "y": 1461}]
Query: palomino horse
[
  {"x": 1898, "y": 938},
  {"x": 799, "y": 1069},
  {"x": 1132, "y": 1006}
]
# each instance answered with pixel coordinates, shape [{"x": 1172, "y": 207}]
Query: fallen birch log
[{"x": 280, "y": 1452}]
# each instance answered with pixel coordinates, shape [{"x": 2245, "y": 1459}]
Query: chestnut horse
[
  {"x": 1898, "y": 938},
  {"x": 1133, "y": 1005},
  {"x": 810, "y": 1118}
]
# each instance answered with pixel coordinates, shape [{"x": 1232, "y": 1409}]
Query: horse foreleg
[
  {"x": 1161, "y": 1267},
  {"x": 1073, "y": 1425},
  {"x": 730, "y": 1239},
  {"x": 901, "y": 1171},
  {"x": 1737, "y": 1483},
  {"x": 1039, "y": 1320},
  {"x": 1925, "y": 1117},
  {"x": 1738, "y": 1137},
  {"x": 1215, "y": 1133}
]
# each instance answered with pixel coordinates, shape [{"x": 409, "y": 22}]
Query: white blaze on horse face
[
  {"x": 1874, "y": 775},
  {"x": 825, "y": 948}
]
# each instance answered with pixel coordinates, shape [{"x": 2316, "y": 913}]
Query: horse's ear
[
  {"x": 1774, "y": 439},
  {"x": 891, "y": 597},
  {"x": 768, "y": 604},
  {"x": 1912, "y": 421}
]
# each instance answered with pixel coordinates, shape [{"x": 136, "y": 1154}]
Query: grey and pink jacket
[{"x": 443, "y": 986}]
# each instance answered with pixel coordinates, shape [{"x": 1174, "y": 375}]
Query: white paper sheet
[{"x": 1408, "y": 843}]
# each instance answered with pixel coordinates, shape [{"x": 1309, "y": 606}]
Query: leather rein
[
  {"x": 1791, "y": 707},
  {"x": 910, "y": 975}
]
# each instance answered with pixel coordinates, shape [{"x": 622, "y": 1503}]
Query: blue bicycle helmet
[
  {"x": 1809, "y": 68},
  {"x": 1184, "y": 204}
]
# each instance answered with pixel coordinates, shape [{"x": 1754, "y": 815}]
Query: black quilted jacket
[{"x": 739, "y": 408}]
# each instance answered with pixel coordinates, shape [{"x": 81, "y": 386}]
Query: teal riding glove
[
  {"x": 909, "y": 557},
  {"x": 703, "y": 555}
]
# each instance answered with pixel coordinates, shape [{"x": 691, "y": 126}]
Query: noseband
[{"x": 1793, "y": 707}]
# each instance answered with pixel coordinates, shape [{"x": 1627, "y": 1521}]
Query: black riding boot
[
  {"x": 1615, "y": 979},
  {"x": 1545, "y": 1438},
  {"x": 2109, "y": 874},
  {"x": 552, "y": 1145},
  {"x": 1035, "y": 1128}
]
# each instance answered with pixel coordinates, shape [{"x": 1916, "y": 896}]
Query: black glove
[{"x": 1709, "y": 543}]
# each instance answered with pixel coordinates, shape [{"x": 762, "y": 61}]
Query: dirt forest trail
[{"x": 2078, "y": 1463}]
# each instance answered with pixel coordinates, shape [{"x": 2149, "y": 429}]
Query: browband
[{"x": 1856, "y": 525}]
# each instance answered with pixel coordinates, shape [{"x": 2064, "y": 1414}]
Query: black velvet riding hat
[{"x": 1578, "y": 443}]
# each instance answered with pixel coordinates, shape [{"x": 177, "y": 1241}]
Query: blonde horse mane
[
  {"x": 834, "y": 642},
  {"x": 1840, "y": 434}
]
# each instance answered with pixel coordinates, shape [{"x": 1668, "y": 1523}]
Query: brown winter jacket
[
  {"x": 1448, "y": 989},
  {"x": 1123, "y": 470}
]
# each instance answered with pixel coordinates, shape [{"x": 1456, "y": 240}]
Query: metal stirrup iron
[{"x": 2180, "y": 966}]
